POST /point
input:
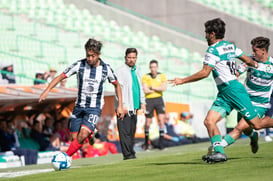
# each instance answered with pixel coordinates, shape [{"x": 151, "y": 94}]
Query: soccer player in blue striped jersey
[
  {"x": 220, "y": 60},
  {"x": 258, "y": 84},
  {"x": 91, "y": 73}
]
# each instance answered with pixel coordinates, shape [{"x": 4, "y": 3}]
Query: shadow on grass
[
  {"x": 242, "y": 158},
  {"x": 200, "y": 162},
  {"x": 179, "y": 163}
]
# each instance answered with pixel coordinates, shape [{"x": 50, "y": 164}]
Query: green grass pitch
[{"x": 177, "y": 163}]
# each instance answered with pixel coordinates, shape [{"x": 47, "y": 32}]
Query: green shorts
[
  {"x": 234, "y": 96},
  {"x": 259, "y": 110}
]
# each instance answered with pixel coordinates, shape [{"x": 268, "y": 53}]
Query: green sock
[
  {"x": 229, "y": 139},
  {"x": 252, "y": 135},
  {"x": 216, "y": 143}
]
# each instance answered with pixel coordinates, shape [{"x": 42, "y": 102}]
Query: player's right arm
[
  {"x": 195, "y": 77},
  {"x": 249, "y": 61},
  {"x": 71, "y": 70},
  {"x": 52, "y": 84},
  {"x": 246, "y": 59}
]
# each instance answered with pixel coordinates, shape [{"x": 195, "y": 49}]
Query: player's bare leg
[
  {"x": 211, "y": 123},
  {"x": 265, "y": 122},
  {"x": 92, "y": 138},
  {"x": 78, "y": 142},
  {"x": 161, "y": 123},
  {"x": 148, "y": 122},
  {"x": 242, "y": 126}
]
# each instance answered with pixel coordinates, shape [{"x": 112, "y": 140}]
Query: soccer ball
[{"x": 60, "y": 161}]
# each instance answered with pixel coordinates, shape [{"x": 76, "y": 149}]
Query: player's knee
[
  {"x": 73, "y": 136},
  {"x": 256, "y": 123},
  {"x": 256, "y": 126},
  {"x": 208, "y": 123}
]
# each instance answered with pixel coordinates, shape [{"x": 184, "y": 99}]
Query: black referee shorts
[{"x": 156, "y": 104}]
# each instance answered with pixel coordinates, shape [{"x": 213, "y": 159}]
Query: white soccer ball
[{"x": 61, "y": 161}]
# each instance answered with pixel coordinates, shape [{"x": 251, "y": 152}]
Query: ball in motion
[{"x": 61, "y": 161}]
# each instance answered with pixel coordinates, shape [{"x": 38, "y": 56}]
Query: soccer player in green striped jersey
[
  {"x": 258, "y": 84},
  {"x": 220, "y": 60}
]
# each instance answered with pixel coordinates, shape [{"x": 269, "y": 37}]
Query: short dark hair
[
  {"x": 154, "y": 61},
  {"x": 130, "y": 50},
  {"x": 93, "y": 45},
  {"x": 217, "y": 26},
  {"x": 261, "y": 42}
]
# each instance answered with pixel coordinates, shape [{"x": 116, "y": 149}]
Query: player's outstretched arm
[
  {"x": 120, "y": 112},
  {"x": 249, "y": 61},
  {"x": 52, "y": 84},
  {"x": 193, "y": 78}
]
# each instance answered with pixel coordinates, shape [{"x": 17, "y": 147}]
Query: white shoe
[{"x": 268, "y": 139}]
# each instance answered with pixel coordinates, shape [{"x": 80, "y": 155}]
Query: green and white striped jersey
[
  {"x": 259, "y": 82},
  {"x": 221, "y": 56}
]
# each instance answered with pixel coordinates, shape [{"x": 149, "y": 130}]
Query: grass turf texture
[{"x": 177, "y": 163}]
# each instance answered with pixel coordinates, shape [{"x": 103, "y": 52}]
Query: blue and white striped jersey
[{"x": 90, "y": 82}]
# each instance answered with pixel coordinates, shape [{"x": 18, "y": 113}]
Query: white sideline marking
[{"x": 23, "y": 173}]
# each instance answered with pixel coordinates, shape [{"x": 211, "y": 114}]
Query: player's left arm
[
  {"x": 249, "y": 61},
  {"x": 120, "y": 112},
  {"x": 193, "y": 78}
]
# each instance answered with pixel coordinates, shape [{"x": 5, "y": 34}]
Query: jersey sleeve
[
  {"x": 242, "y": 67},
  {"x": 112, "y": 78},
  {"x": 238, "y": 52},
  {"x": 211, "y": 57},
  {"x": 145, "y": 79},
  {"x": 72, "y": 69},
  {"x": 163, "y": 78}
]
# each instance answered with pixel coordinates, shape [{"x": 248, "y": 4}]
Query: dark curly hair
[
  {"x": 93, "y": 45},
  {"x": 261, "y": 42},
  {"x": 217, "y": 26}
]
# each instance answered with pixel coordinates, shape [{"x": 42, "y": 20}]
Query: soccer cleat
[
  {"x": 254, "y": 144},
  {"x": 210, "y": 152},
  {"x": 129, "y": 157},
  {"x": 216, "y": 158}
]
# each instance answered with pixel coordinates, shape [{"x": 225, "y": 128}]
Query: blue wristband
[{"x": 175, "y": 139}]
